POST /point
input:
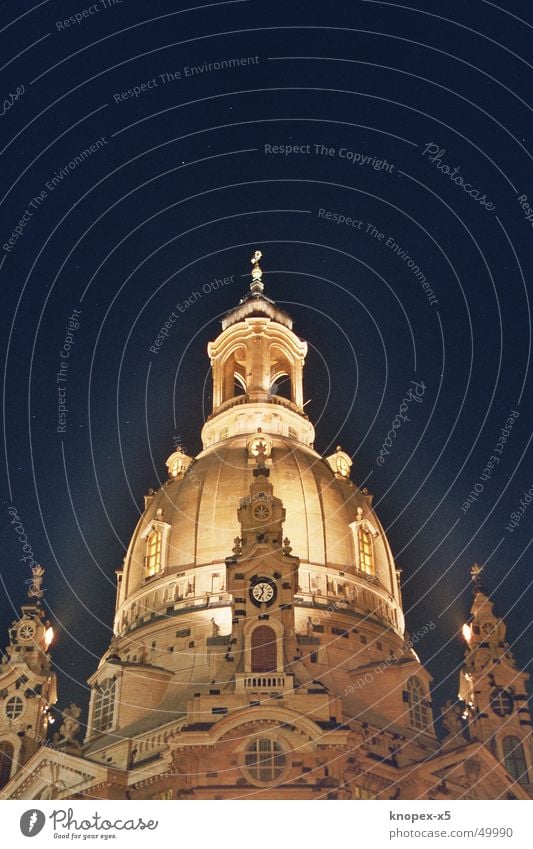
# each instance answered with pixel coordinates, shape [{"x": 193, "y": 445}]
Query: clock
[
  {"x": 501, "y": 701},
  {"x": 26, "y": 632},
  {"x": 487, "y": 628},
  {"x": 263, "y": 591},
  {"x": 262, "y": 512}
]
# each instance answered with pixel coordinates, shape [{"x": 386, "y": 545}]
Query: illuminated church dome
[
  {"x": 259, "y": 647},
  {"x": 191, "y": 523}
]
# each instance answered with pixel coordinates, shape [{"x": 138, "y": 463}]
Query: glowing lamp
[
  {"x": 48, "y": 637},
  {"x": 467, "y": 632}
]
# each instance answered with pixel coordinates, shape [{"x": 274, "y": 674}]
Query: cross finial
[
  {"x": 260, "y": 464},
  {"x": 256, "y": 286}
]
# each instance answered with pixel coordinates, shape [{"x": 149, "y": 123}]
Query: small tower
[
  {"x": 257, "y": 363},
  {"x": 262, "y": 577},
  {"x": 494, "y": 690},
  {"x": 27, "y": 683}
]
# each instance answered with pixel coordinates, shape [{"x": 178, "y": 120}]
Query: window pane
[
  {"x": 265, "y": 760},
  {"x": 515, "y": 761},
  {"x": 418, "y": 711}
]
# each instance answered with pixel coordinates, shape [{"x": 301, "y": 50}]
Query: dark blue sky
[{"x": 379, "y": 155}]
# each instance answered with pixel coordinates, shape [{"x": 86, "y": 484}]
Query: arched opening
[
  {"x": 281, "y": 374},
  {"x": 264, "y": 649},
  {"x": 280, "y": 385},
  {"x": 7, "y": 754},
  {"x": 239, "y": 382},
  {"x": 515, "y": 759},
  {"x": 234, "y": 375}
]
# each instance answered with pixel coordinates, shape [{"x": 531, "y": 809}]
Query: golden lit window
[
  {"x": 152, "y": 561},
  {"x": 366, "y": 552},
  {"x": 163, "y": 794},
  {"x": 361, "y": 793},
  {"x": 104, "y": 705},
  {"x": 265, "y": 760},
  {"x": 418, "y": 709}
]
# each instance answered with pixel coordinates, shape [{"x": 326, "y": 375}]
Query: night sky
[{"x": 378, "y": 154}]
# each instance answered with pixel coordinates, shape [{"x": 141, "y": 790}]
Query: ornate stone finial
[
  {"x": 261, "y": 451},
  {"x": 237, "y": 546},
  {"x": 287, "y": 547},
  {"x": 35, "y": 590},
  {"x": 475, "y": 574},
  {"x": 256, "y": 286}
]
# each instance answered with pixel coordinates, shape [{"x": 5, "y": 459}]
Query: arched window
[
  {"x": 7, "y": 753},
  {"x": 152, "y": 561},
  {"x": 104, "y": 705},
  {"x": 418, "y": 710},
  {"x": 366, "y": 552},
  {"x": 264, "y": 649},
  {"x": 265, "y": 760},
  {"x": 515, "y": 759}
]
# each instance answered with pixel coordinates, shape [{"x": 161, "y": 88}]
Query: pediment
[
  {"x": 53, "y": 774},
  {"x": 470, "y": 771}
]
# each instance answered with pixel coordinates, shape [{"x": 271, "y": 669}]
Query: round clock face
[
  {"x": 501, "y": 702},
  {"x": 487, "y": 628},
  {"x": 26, "y": 632},
  {"x": 263, "y": 591},
  {"x": 262, "y": 512}
]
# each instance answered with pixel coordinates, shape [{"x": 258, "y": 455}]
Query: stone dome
[
  {"x": 199, "y": 512},
  {"x": 177, "y": 557}
]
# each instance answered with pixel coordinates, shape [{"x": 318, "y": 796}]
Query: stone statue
[
  {"x": 475, "y": 574},
  {"x": 35, "y": 589},
  {"x": 452, "y": 723},
  {"x": 70, "y": 726},
  {"x": 472, "y": 767},
  {"x": 215, "y": 629}
]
